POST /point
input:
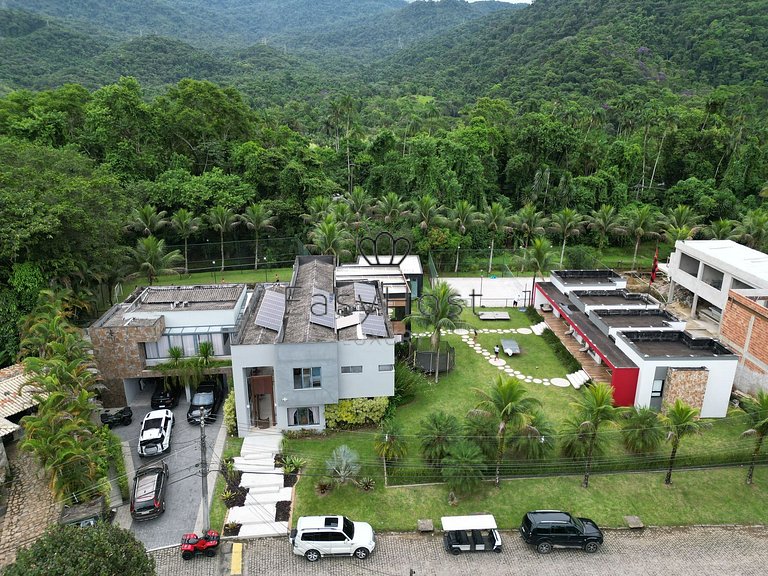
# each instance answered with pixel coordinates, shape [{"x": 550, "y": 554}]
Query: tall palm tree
[
  {"x": 390, "y": 444},
  {"x": 539, "y": 256},
  {"x": 391, "y": 208},
  {"x": 222, "y": 220},
  {"x": 593, "y": 409},
  {"x": 529, "y": 222},
  {"x": 427, "y": 212},
  {"x": 496, "y": 219},
  {"x": 436, "y": 433},
  {"x": 757, "y": 414},
  {"x": 439, "y": 308},
  {"x": 147, "y": 220},
  {"x": 318, "y": 208},
  {"x": 257, "y": 217},
  {"x": 680, "y": 420},
  {"x": 641, "y": 430},
  {"x": 536, "y": 439},
  {"x": 566, "y": 223},
  {"x": 329, "y": 237},
  {"x": 509, "y": 404},
  {"x": 185, "y": 223},
  {"x": 360, "y": 205},
  {"x": 540, "y": 186},
  {"x": 463, "y": 217},
  {"x": 150, "y": 258},
  {"x": 605, "y": 222},
  {"x": 641, "y": 222}
]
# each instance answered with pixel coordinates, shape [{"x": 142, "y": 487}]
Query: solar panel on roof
[
  {"x": 322, "y": 311},
  {"x": 271, "y": 310},
  {"x": 374, "y": 325},
  {"x": 365, "y": 293}
]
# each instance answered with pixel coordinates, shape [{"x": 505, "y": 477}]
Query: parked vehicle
[
  {"x": 148, "y": 496},
  {"x": 86, "y": 514},
  {"x": 317, "y": 536},
  {"x": 546, "y": 529},
  {"x": 114, "y": 416},
  {"x": 155, "y": 435},
  {"x": 475, "y": 533},
  {"x": 191, "y": 545},
  {"x": 164, "y": 398},
  {"x": 208, "y": 397}
]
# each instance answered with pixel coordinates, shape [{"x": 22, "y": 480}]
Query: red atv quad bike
[{"x": 191, "y": 545}]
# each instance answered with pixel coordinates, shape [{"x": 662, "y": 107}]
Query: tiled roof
[{"x": 11, "y": 401}]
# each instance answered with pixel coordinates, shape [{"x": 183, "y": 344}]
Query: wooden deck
[{"x": 598, "y": 372}]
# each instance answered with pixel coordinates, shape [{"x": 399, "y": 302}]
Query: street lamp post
[{"x": 214, "y": 271}]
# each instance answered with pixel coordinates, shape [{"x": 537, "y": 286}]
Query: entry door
[
  {"x": 261, "y": 387},
  {"x": 657, "y": 395}
]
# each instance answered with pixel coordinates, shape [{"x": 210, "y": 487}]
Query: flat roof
[
  {"x": 741, "y": 261},
  {"x": 470, "y": 522},
  {"x": 408, "y": 264},
  {"x": 653, "y": 318},
  {"x": 604, "y": 344},
  {"x": 675, "y": 345},
  {"x": 569, "y": 278},
  {"x": 177, "y": 298},
  {"x": 613, "y": 298}
]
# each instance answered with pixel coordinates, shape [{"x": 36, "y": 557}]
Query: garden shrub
[
  {"x": 356, "y": 412},
  {"x": 230, "y": 415},
  {"x": 533, "y": 315},
  {"x": 406, "y": 383},
  {"x": 562, "y": 353}
]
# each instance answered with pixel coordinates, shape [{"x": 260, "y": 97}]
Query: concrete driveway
[
  {"x": 184, "y": 490},
  {"x": 695, "y": 551}
]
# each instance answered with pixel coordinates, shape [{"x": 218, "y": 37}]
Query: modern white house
[
  {"x": 710, "y": 268},
  {"x": 308, "y": 344}
]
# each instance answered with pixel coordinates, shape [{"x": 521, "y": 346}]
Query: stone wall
[{"x": 686, "y": 384}]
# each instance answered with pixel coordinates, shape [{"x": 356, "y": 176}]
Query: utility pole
[{"x": 204, "y": 471}]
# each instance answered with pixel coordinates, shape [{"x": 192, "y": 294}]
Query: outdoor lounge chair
[{"x": 510, "y": 347}]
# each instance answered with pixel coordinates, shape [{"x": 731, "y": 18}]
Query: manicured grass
[
  {"x": 218, "y": 510},
  {"x": 229, "y": 276},
  {"x": 717, "y": 496}
]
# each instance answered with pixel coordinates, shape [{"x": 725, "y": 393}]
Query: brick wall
[
  {"x": 739, "y": 312},
  {"x": 687, "y": 384}
]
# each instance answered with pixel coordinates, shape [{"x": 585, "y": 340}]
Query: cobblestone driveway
[{"x": 716, "y": 551}]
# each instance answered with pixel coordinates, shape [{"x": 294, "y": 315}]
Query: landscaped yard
[
  {"x": 708, "y": 496},
  {"x": 218, "y": 509}
]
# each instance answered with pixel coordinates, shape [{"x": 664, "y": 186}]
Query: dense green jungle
[{"x": 129, "y": 130}]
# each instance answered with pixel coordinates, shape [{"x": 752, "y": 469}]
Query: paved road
[
  {"x": 699, "y": 551},
  {"x": 184, "y": 489}
]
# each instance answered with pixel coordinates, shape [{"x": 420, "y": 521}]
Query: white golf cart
[{"x": 475, "y": 533}]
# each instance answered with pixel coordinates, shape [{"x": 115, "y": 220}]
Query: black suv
[
  {"x": 208, "y": 397},
  {"x": 162, "y": 398},
  {"x": 148, "y": 496},
  {"x": 548, "y": 528}
]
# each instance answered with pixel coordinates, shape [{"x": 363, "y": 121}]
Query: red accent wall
[{"x": 624, "y": 382}]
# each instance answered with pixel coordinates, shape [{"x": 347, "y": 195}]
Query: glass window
[
  {"x": 657, "y": 389},
  {"x": 386, "y": 367},
  {"x": 306, "y": 378},
  {"x": 303, "y": 416},
  {"x": 351, "y": 369}
]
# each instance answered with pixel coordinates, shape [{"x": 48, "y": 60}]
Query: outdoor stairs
[
  {"x": 539, "y": 328},
  {"x": 264, "y": 483},
  {"x": 598, "y": 372},
  {"x": 577, "y": 379}
]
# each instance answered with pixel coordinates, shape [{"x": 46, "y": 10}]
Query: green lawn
[
  {"x": 229, "y": 276},
  {"x": 218, "y": 510},
  {"x": 717, "y": 496}
]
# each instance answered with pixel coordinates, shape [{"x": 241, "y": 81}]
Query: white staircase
[
  {"x": 265, "y": 486},
  {"x": 577, "y": 379},
  {"x": 539, "y": 328}
]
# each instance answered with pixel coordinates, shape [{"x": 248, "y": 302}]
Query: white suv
[
  {"x": 155, "y": 435},
  {"x": 317, "y": 536}
]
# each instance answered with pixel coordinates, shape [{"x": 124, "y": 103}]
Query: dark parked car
[
  {"x": 545, "y": 529},
  {"x": 114, "y": 416},
  {"x": 162, "y": 398},
  {"x": 148, "y": 496},
  {"x": 208, "y": 396}
]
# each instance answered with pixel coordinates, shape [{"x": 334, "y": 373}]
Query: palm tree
[
  {"x": 147, "y": 220},
  {"x": 721, "y": 229},
  {"x": 360, "y": 205},
  {"x": 539, "y": 257},
  {"x": 536, "y": 439},
  {"x": 462, "y": 467},
  {"x": 681, "y": 420},
  {"x": 463, "y": 217},
  {"x": 389, "y": 443},
  {"x": 426, "y": 212},
  {"x": 439, "y": 308},
  {"x": 593, "y": 409},
  {"x": 222, "y": 220},
  {"x": 540, "y": 186},
  {"x": 318, "y": 208},
  {"x": 185, "y": 223},
  {"x": 329, "y": 237},
  {"x": 151, "y": 259},
  {"x": 496, "y": 220},
  {"x": 438, "y": 431},
  {"x": 757, "y": 414},
  {"x": 529, "y": 222},
  {"x": 753, "y": 230},
  {"x": 641, "y": 430},
  {"x": 605, "y": 222},
  {"x": 641, "y": 222},
  {"x": 509, "y": 404},
  {"x": 257, "y": 217},
  {"x": 391, "y": 208},
  {"x": 566, "y": 223}
]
